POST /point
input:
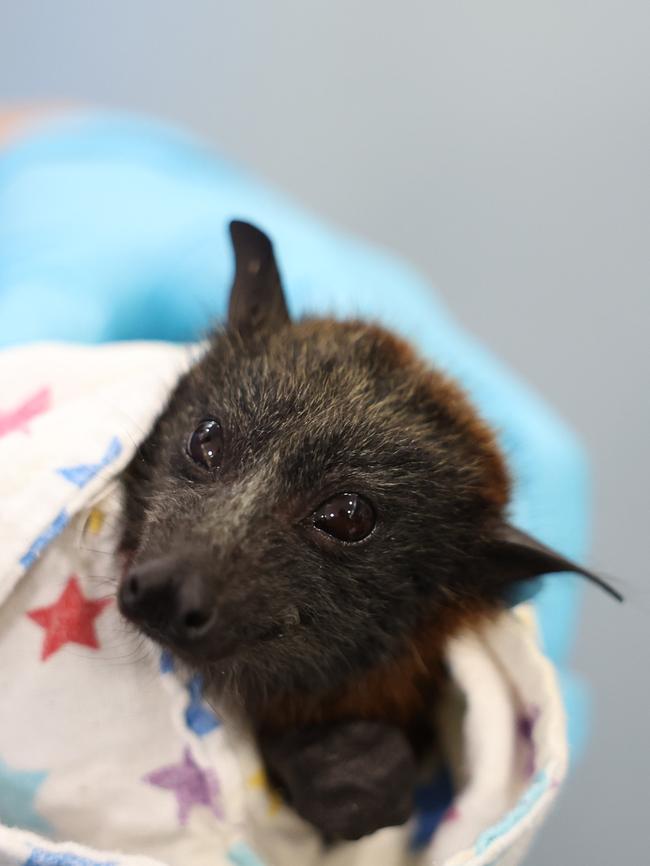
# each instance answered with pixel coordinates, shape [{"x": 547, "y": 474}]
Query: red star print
[{"x": 71, "y": 619}]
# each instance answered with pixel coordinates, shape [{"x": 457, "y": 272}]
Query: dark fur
[{"x": 311, "y": 409}]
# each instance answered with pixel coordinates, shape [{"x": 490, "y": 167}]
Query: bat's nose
[{"x": 167, "y": 596}]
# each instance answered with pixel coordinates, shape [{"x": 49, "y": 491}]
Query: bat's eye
[
  {"x": 205, "y": 445},
  {"x": 346, "y": 517}
]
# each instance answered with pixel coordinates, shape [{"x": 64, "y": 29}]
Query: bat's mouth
[{"x": 215, "y": 644}]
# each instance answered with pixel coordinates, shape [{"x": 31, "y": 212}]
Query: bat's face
[
  {"x": 311, "y": 493},
  {"x": 307, "y": 497}
]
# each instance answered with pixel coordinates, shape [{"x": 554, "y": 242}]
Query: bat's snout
[{"x": 168, "y": 599}]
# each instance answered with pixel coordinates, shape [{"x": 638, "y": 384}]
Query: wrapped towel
[{"x": 110, "y": 755}]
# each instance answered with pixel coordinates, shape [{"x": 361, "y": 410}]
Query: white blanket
[{"x": 109, "y": 755}]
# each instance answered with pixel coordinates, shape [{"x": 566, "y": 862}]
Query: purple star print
[
  {"x": 525, "y": 728},
  {"x": 191, "y": 785}
]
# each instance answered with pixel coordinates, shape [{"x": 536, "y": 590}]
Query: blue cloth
[{"x": 113, "y": 227}]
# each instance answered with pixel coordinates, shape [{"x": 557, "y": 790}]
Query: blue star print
[
  {"x": 166, "y": 662},
  {"x": 48, "y": 534},
  {"x": 84, "y": 472},
  {"x": 241, "y": 855},
  {"x": 18, "y": 788},
  {"x": 431, "y": 802},
  {"x": 198, "y": 716},
  {"x": 41, "y": 857}
]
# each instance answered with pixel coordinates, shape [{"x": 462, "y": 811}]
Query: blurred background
[{"x": 503, "y": 148}]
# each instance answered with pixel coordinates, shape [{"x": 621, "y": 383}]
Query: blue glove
[{"x": 114, "y": 228}]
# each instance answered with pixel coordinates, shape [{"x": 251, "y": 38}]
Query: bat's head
[{"x": 311, "y": 493}]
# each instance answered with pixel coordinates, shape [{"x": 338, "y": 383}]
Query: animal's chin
[{"x": 223, "y": 654}]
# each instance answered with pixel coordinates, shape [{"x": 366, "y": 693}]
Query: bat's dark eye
[
  {"x": 205, "y": 445},
  {"x": 346, "y": 517}
]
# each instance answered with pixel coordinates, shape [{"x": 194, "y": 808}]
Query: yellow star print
[{"x": 260, "y": 782}]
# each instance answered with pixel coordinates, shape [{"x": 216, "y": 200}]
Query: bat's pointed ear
[
  {"x": 515, "y": 556},
  {"x": 256, "y": 297}
]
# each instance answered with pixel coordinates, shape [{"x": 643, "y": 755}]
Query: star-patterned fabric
[
  {"x": 70, "y": 619},
  {"x": 42, "y": 857},
  {"x": 107, "y": 744},
  {"x": 18, "y": 790},
  {"x": 191, "y": 785},
  {"x": 17, "y": 418}
]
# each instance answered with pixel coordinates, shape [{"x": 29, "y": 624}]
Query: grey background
[{"x": 503, "y": 148}]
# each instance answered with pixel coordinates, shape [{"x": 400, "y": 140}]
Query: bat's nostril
[{"x": 196, "y": 621}]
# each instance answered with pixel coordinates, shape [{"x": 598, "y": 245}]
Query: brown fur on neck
[{"x": 401, "y": 690}]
